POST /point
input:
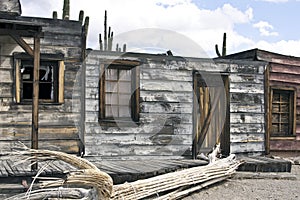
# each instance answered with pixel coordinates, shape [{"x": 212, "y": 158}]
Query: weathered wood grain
[
  {"x": 247, "y": 88},
  {"x": 165, "y": 107},
  {"x": 171, "y": 96},
  {"x": 166, "y": 86},
  {"x": 248, "y": 108},
  {"x": 247, "y": 118},
  {"x": 286, "y": 69},
  {"x": 247, "y": 148},
  {"x": 12, "y": 7}
]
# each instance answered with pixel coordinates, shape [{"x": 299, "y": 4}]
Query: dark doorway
[{"x": 211, "y": 113}]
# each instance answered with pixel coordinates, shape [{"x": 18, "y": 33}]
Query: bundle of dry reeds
[
  {"x": 164, "y": 187},
  {"x": 87, "y": 175},
  {"x": 177, "y": 184}
]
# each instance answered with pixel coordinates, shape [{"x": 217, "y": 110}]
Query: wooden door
[{"x": 211, "y": 113}]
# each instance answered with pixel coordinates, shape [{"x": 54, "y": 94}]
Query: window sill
[
  {"x": 127, "y": 122},
  {"x": 41, "y": 103},
  {"x": 289, "y": 137}
]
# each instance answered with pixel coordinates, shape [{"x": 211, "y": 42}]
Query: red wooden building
[{"x": 282, "y": 96}]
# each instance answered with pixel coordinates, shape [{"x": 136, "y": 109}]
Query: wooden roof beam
[{"x": 23, "y": 44}]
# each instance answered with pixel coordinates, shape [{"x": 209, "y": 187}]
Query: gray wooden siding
[
  {"x": 165, "y": 127},
  {"x": 247, "y": 108},
  {"x": 58, "y": 122}
]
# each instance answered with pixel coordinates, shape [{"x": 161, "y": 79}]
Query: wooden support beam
[
  {"x": 22, "y": 43},
  {"x": 35, "y": 96}
]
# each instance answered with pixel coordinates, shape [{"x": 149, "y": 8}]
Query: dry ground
[{"x": 268, "y": 188}]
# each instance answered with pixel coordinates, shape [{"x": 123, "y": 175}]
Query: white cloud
[
  {"x": 285, "y": 47},
  {"x": 203, "y": 26},
  {"x": 265, "y": 28}
]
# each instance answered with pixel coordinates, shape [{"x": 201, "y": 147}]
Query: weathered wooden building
[
  {"x": 124, "y": 105},
  {"x": 282, "y": 97},
  {"x": 59, "y": 46},
  {"x": 140, "y": 106}
]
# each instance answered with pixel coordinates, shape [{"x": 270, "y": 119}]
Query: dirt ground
[{"x": 279, "y": 186}]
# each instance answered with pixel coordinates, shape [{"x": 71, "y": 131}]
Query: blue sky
[{"x": 266, "y": 24}]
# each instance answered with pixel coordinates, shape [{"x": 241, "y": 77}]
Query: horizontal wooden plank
[
  {"x": 139, "y": 139},
  {"x": 55, "y": 26},
  {"x": 6, "y": 90},
  {"x": 92, "y": 93},
  {"x": 6, "y": 61},
  {"x": 166, "y": 86},
  {"x": 246, "y": 137},
  {"x": 247, "y": 108},
  {"x": 169, "y": 126},
  {"x": 285, "y": 78},
  {"x": 245, "y": 98},
  {"x": 165, "y": 107},
  {"x": 157, "y": 118},
  {"x": 62, "y": 39},
  {"x": 6, "y": 76},
  {"x": 285, "y": 145},
  {"x": 247, "y": 118},
  {"x": 286, "y": 69},
  {"x": 135, "y": 150},
  {"x": 247, "y": 128},
  {"x": 246, "y": 88},
  {"x": 279, "y": 83},
  {"x": 163, "y": 74},
  {"x": 68, "y": 146},
  {"x": 51, "y": 132},
  {"x": 250, "y": 147},
  {"x": 184, "y": 97},
  {"x": 208, "y": 65},
  {"x": 44, "y": 117},
  {"x": 246, "y": 78},
  {"x": 248, "y": 69}
]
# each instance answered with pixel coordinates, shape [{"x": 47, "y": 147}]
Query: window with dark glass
[
  {"x": 282, "y": 112},
  {"x": 48, "y": 81},
  {"x": 51, "y": 80}
]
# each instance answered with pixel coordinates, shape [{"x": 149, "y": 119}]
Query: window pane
[
  {"x": 111, "y": 74},
  {"x": 285, "y": 98},
  {"x": 125, "y": 75},
  {"x": 281, "y": 112},
  {"x": 124, "y": 111},
  {"x": 111, "y": 99},
  {"x": 27, "y": 90},
  {"x": 111, "y": 111},
  {"x": 118, "y": 92},
  {"x": 48, "y": 80},
  {"x": 111, "y": 86},
  {"x": 124, "y": 99},
  {"x": 125, "y": 87},
  {"x": 275, "y": 118},
  {"x": 276, "y": 97},
  {"x": 284, "y": 129}
]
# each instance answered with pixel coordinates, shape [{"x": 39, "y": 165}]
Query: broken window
[
  {"x": 51, "y": 80},
  {"x": 283, "y": 107},
  {"x": 119, "y": 93}
]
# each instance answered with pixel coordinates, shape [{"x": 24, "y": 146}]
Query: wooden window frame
[
  {"x": 135, "y": 85},
  {"x": 19, "y": 57},
  {"x": 292, "y": 112}
]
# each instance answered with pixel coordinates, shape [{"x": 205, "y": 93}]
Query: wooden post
[{"x": 35, "y": 96}]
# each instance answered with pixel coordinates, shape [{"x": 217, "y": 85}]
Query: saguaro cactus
[
  {"x": 107, "y": 43},
  {"x": 66, "y": 10},
  {"x": 223, "y": 47}
]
